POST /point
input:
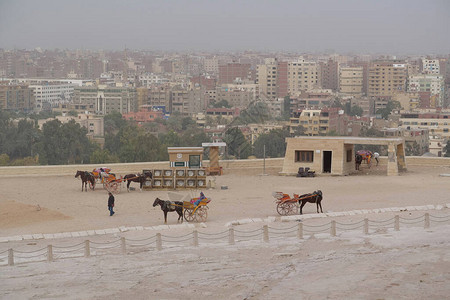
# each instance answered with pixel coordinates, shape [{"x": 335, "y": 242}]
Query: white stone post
[
  {"x": 397, "y": 223},
  {"x": 158, "y": 242},
  {"x": 266, "y": 233},
  {"x": 87, "y": 249},
  {"x": 427, "y": 220},
  {"x": 195, "y": 235},
  {"x": 333, "y": 228},
  {"x": 231, "y": 236},
  {"x": 300, "y": 231},
  {"x": 10, "y": 257},
  {"x": 123, "y": 245},
  {"x": 49, "y": 253},
  {"x": 366, "y": 226}
]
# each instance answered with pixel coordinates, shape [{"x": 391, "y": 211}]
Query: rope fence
[{"x": 157, "y": 242}]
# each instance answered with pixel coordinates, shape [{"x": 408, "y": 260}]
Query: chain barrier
[
  {"x": 59, "y": 251},
  {"x": 383, "y": 221},
  {"x": 141, "y": 240}
]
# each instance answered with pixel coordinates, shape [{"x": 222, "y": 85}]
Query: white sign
[{"x": 317, "y": 151}]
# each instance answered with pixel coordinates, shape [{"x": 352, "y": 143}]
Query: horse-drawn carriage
[
  {"x": 195, "y": 210},
  {"x": 290, "y": 206}
]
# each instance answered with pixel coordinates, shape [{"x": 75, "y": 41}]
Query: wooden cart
[{"x": 196, "y": 213}]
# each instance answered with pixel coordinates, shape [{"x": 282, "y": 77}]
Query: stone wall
[{"x": 243, "y": 167}]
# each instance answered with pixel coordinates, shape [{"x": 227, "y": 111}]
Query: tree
[
  {"x": 102, "y": 156},
  {"x": 353, "y": 110},
  {"x": 222, "y": 103},
  {"x": 256, "y": 112},
  {"x": 447, "y": 149},
  {"x": 113, "y": 122},
  {"x": 237, "y": 145},
  {"x": 274, "y": 141},
  {"x": 390, "y": 106},
  {"x": 286, "y": 108}
]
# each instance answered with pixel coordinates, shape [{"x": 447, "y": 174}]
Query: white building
[
  {"x": 428, "y": 83},
  {"x": 150, "y": 79},
  {"x": 302, "y": 76},
  {"x": 430, "y": 66},
  {"x": 51, "y": 94}
]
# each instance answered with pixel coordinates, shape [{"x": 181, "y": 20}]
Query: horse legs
[
  {"x": 128, "y": 185},
  {"x": 141, "y": 183},
  {"x": 301, "y": 207},
  {"x": 165, "y": 216},
  {"x": 180, "y": 215},
  {"x": 319, "y": 204}
]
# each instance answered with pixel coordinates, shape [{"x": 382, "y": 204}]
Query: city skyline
[{"x": 401, "y": 27}]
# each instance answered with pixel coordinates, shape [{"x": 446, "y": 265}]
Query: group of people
[{"x": 365, "y": 155}]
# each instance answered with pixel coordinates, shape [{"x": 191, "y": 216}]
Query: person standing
[
  {"x": 376, "y": 155},
  {"x": 111, "y": 204}
]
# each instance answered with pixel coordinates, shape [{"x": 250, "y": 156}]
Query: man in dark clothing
[{"x": 111, "y": 204}]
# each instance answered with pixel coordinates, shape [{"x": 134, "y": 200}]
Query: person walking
[{"x": 111, "y": 204}]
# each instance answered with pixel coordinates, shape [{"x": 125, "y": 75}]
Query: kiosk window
[{"x": 194, "y": 161}]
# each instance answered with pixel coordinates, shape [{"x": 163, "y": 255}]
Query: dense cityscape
[{"x": 248, "y": 99}]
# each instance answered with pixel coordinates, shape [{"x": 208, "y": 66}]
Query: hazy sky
[{"x": 375, "y": 26}]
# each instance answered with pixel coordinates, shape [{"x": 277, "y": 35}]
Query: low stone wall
[
  {"x": 273, "y": 165},
  {"x": 243, "y": 166}
]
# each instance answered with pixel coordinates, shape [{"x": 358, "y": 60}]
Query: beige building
[
  {"x": 16, "y": 97},
  {"x": 255, "y": 130},
  {"x": 267, "y": 78},
  {"x": 302, "y": 76},
  {"x": 386, "y": 78},
  {"x": 408, "y": 101},
  {"x": 105, "y": 99},
  {"x": 336, "y": 155},
  {"x": 351, "y": 80}
]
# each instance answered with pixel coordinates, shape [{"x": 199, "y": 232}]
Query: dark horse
[
  {"x": 358, "y": 161},
  {"x": 85, "y": 178},
  {"x": 167, "y": 206},
  {"x": 315, "y": 197},
  {"x": 137, "y": 178}
]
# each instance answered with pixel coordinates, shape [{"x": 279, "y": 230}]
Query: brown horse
[
  {"x": 137, "y": 178},
  {"x": 85, "y": 178},
  {"x": 167, "y": 206},
  {"x": 315, "y": 197}
]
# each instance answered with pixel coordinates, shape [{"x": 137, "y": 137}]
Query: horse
[
  {"x": 137, "y": 178},
  {"x": 358, "y": 161},
  {"x": 85, "y": 178},
  {"x": 167, "y": 206},
  {"x": 315, "y": 197},
  {"x": 366, "y": 156}
]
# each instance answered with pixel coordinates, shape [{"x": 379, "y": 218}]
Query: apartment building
[
  {"x": 50, "y": 94},
  {"x": 311, "y": 100},
  {"x": 351, "y": 80},
  {"x": 16, "y": 97},
  {"x": 105, "y": 99},
  {"x": 229, "y": 72},
  {"x": 429, "y": 83},
  {"x": 272, "y": 79},
  {"x": 329, "y": 75},
  {"x": 386, "y": 78},
  {"x": 236, "y": 97},
  {"x": 319, "y": 121},
  {"x": 211, "y": 65},
  {"x": 302, "y": 76},
  {"x": 430, "y": 66},
  {"x": 417, "y": 140},
  {"x": 436, "y": 122},
  {"x": 255, "y": 130}
]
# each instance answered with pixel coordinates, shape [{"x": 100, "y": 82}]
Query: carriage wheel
[
  {"x": 287, "y": 208},
  {"x": 114, "y": 187},
  {"x": 189, "y": 215},
  {"x": 201, "y": 214}
]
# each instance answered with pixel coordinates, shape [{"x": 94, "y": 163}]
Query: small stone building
[{"x": 336, "y": 155}]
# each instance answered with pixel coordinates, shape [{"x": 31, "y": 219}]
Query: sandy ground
[{"x": 413, "y": 263}]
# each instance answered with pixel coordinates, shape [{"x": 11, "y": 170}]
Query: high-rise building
[
  {"x": 302, "y": 76},
  {"x": 429, "y": 83},
  {"x": 50, "y": 94},
  {"x": 351, "y": 80},
  {"x": 16, "y": 97},
  {"x": 329, "y": 75},
  {"x": 386, "y": 78},
  {"x": 104, "y": 99},
  {"x": 430, "y": 66},
  {"x": 229, "y": 72}
]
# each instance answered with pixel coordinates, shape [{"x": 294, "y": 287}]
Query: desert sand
[{"x": 411, "y": 263}]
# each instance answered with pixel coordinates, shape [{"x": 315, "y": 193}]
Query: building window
[
  {"x": 349, "y": 155},
  {"x": 304, "y": 156},
  {"x": 194, "y": 161}
]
